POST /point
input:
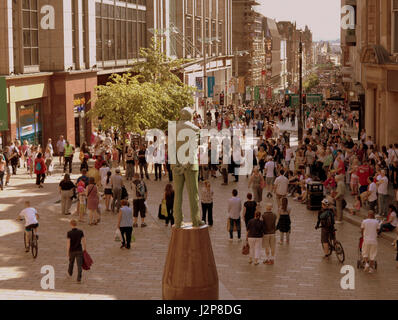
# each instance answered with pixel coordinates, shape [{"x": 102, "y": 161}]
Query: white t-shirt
[
  {"x": 29, "y": 214},
  {"x": 282, "y": 184},
  {"x": 103, "y": 172},
  {"x": 383, "y": 186},
  {"x": 373, "y": 192},
  {"x": 289, "y": 154},
  {"x": 270, "y": 166},
  {"x": 370, "y": 227}
]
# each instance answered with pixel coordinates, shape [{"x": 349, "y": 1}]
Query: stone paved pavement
[{"x": 299, "y": 271}]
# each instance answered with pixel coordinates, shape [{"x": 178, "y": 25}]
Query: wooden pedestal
[{"x": 190, "y": 271}]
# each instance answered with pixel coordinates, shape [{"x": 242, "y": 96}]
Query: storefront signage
[
  {"x": 3, "y": 105},
  {"x": 48, "y": 20},
  {"x": 348, "y": 19},
  {"x": 199, "y": 83}
]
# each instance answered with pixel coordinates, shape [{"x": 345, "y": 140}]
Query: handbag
[
  {"x": 164, "y": 208},
  {"x": 87, "y": 261},
  {"x": 118, "y": 235},
  {"x": 160, "y": 216},
  {"x": 246, "y": 249}
]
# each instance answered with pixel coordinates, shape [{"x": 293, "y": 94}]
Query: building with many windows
[
  {"x": 370, "y": 66},
  {"x": 198, "y": 30},
  {"x": 52, "y": 55}
]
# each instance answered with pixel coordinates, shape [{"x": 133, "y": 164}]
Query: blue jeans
[{"x": 232, "y": 222}]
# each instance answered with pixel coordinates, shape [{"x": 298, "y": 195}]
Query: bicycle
[
  {"x": 335, "y": 245},
  {"x": 33, "y": 244}
]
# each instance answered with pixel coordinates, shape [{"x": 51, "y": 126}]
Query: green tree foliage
[{"x": 312, "y": 82}]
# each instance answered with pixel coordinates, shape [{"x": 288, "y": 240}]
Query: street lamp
[{"x": 300, "y": 122}]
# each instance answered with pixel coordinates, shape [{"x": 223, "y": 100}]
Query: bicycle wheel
[
  {"x": 339, "y": 251},
  {"x": 35, "y": 247}
]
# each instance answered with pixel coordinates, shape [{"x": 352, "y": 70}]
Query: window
[
  {"x": 198, "y": 7},
  {"x": 213, "y": 37},
  {"x": 120, "y": 31},
  {"x": 30, "y": 32},
  {"x": 220, "y": 38},
  {"x": 395, "y": 25},
  {"x": 189, "y": 7}
]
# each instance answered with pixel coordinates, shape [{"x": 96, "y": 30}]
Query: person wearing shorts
[
  {"x": 369, "y": 228},
  {"x": 139, "y": 206},
  {"x": 31, "y": 217}
]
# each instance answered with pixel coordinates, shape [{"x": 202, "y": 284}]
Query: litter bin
[{"x": 314, "y": 195}]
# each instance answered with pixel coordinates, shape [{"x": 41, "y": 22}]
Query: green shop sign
[{"x": 3, "y": 105}]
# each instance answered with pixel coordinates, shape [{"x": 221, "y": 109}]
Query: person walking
[
  {"x": 234, "y": 209},
  {"x": 68, "y": 156},
  {"x": 117, "y": 183},
  {"x": 40, "y": 170},
  {"x": 66, "y": 187},
  {"x": 140, "y": 194},
  {"x": 207, "y": 203},
  {"x": 142, "y": 162},
  {"x": 130, "y": 156},
  {"x": 75, "y": 246},
  {"x": 281, "y": 187},
  {"x": 61, "y": 149},
  {"x": 92, "y": 202},
  {"x": 107, "y": 184},
  {"x": 270, "y": 173},
  {"x": 369, "y": 228},
  {"x": 125, "y": 224},
  {"x": 48, "y": 156},
  {"x": 255, "y": 232},
  {"x": 256, "y": 182},
  {"x": 169, "y": 197},
  {"x": 249, "y": 209},
  {"x": 339, "y": 197},
  {"x": 269, "y": 222},
  {"x": 284, "y": 222}
]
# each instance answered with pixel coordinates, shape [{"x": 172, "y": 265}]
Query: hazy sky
[{"x": 321, "y": 16}]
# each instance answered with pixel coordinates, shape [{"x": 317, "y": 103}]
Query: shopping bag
[
  {"x": 118, "y": 235},
  {"x": 160, "y": 216},
  {"x": 87, "y": 261},
  {"x": 164, "y": 209},
  {"x": 246, "y": 249}
]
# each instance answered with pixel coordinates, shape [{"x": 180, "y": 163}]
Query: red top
[
  {"x": 43, "y": 167},
  {"x": 364, "y": 172}
]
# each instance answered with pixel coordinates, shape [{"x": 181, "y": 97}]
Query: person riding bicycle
[
  {"x": 31, "y": 221},
  {"x": 326, "y": 221}
]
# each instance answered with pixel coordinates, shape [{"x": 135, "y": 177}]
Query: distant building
[{"x": 370, "y": 67}]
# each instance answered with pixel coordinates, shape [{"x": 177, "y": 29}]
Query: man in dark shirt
[
  {"x": 75, "y": 245},
  {"x": 83, "y": 178},
  {"x": 142, "y": 162}
]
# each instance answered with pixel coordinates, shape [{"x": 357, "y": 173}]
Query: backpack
[
  {"x": 38, "y": 166},
  {"x": 140, "y": 189},
  {"x": 326, "y": 218}
]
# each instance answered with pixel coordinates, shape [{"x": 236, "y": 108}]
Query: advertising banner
[{"x": 211, "y": 81}]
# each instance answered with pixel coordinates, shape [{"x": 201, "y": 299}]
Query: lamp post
[{"x": 300, "y": 121}]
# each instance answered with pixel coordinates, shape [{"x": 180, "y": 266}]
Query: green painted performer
[{"x": 186, "y": 167}]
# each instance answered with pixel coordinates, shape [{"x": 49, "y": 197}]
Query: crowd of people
[{"x": 327, "y": 154}]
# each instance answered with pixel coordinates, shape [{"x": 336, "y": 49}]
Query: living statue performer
[{"x": 186, "y": 168}]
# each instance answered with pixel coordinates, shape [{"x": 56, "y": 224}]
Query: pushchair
[{"x": 361, "y": 260}]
